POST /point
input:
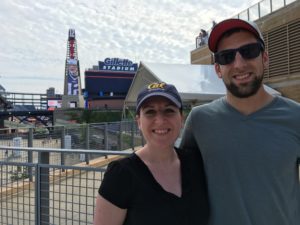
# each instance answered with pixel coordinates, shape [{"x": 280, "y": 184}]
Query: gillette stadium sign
[{"x": 117, "y": 64}]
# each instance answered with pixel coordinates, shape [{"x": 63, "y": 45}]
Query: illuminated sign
[
  {"x": 54, "y": 104},
  {"x": 117, "y": 64},
  {"x": 72, "y": 77},
  {"x": 71, "y": 33}
]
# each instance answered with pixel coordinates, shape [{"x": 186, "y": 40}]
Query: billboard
[
  {"x": 117, "y": 64},
  {"x": 53, "y": 104},
  {"x": 71, "y": 34},
  {"x": 72, "y": 77}
]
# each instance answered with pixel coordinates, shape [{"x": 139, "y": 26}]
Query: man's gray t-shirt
[{"x": 251, "y": 161}]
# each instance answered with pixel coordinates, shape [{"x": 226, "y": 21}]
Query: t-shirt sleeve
[
  {"x": 117, "y": 186},
  {"x": 187, "y": 137}
]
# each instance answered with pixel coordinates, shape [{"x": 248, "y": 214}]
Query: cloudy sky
[{"x": 33, "y": 40}]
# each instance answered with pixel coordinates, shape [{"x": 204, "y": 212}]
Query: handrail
[
  {"x": 257, "y": 11},
  {"x": 82, "y": 151},
  {"x": 262, "y": 8}
]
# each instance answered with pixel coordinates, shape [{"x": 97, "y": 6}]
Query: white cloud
[{"x": 34, "y": 33}]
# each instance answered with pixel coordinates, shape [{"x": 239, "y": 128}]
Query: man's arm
[{"x": 188, "y": 140}]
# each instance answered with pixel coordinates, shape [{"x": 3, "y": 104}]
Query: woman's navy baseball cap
[
  {"x": 226, "y": 25},
  {"x": 158, "y": 89}
]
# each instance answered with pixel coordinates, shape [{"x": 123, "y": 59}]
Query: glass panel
[
  {"x": 277, "y": 4},
  {"x": 289, "y": 1},
  {"x": 265, "y": 7},
  {"x": 253, "y": 12},
  {"x": 244, "y": 15}
]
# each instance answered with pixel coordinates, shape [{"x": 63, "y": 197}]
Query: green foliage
[{"x": 90, "y": 116}]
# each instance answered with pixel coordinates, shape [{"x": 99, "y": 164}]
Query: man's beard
[{"x": 247, "y": 90}]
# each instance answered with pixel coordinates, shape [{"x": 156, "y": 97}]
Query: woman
[{"x": 158, "y": 184}]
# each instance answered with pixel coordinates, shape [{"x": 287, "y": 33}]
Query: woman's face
[{"x": 160, "y": 122}]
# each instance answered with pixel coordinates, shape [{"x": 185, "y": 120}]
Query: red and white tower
[{"x": 72, "y": 97}]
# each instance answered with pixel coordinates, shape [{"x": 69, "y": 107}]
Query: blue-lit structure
[{"x": 107, "y": 84}]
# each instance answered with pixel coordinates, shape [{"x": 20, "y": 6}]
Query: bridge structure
[
  {"x": 43, "y": 117},
  {"x": 26, "y": 108}
]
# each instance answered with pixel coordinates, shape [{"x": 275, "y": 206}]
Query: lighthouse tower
[{"x": 72, "y": 97}]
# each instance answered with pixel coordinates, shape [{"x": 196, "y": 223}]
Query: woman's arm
[{"x": 107, "y": 213}]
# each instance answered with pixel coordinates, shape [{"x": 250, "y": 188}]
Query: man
[{"x": 249, "y": 139}]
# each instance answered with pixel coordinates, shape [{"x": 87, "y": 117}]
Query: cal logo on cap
[{"x": 160, "y": 85}]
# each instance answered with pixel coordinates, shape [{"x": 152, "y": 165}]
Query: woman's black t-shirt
[{"x": 129, "y": 184}]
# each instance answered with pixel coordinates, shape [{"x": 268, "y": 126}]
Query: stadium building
[{"x": 107, "y": 84}]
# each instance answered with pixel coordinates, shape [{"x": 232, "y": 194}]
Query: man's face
[
  {"x": 242, "y": 77},
  {"x": 73, "y": 69}
]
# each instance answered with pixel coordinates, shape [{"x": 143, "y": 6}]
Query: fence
[
  {"x": 108, "y": 136},
  {"x": 44, "y": 193},
  {"x": 51, "y": 175}
]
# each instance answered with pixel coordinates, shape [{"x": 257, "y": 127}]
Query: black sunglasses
[{"x": 249, "y": 51}]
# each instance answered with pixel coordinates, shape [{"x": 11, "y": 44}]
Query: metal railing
[
  {"x": 262, "y": 8},
  {"x": 44, "y": 193},
  {"x": 109, "y": 136},
  {"x": 39, "y": 101},
  {"x": 256, "y": 12}
]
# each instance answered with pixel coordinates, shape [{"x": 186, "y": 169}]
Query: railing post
[
  {"x": 44, "y": 188},
  {"x": 29, "y": 153},
  {"x": 37, "y": 195},
  {"x": 132, "y": 135},
  {"x": 248, "y": 15},
  {"x": 120, "y": 137},
  {"x": 271, "y": 6},
  {"x": 259, "y": 13},
  {"x": 105, "y": 136},
  {"x": 62, "y": 143},
  {"x": 87, "y": 143}
]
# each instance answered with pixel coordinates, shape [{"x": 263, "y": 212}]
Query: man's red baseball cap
[{"x": 226, "y": 25}]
